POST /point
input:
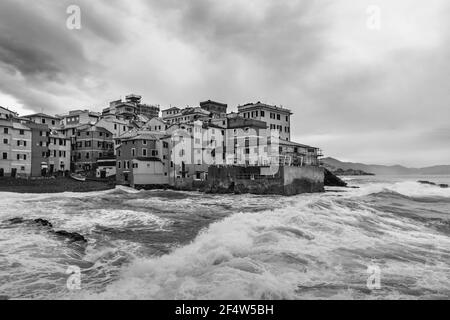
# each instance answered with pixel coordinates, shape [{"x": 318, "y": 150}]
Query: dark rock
[
  {"x": 16, "y": 221},
  {"x": 426, "y": 182},
  {"x": 444, "y": 186},
  {"x": 72, "y": 236},
  {"x": 332, "y": 180},
  {"x": 43, "y": 223}
]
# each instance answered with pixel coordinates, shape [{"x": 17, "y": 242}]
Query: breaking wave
[{"x": 182, "y": 245}]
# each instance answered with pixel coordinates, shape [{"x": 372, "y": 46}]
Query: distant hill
[{"x": 334, "y": 164}]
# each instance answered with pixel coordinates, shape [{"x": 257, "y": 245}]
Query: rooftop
[
  {"x": 41, "y": 115},
  {"x": 259, "y": 104}
]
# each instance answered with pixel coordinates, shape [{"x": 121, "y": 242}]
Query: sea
[{"x": 387, "y": 238}]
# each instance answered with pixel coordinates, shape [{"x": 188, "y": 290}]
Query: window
[
  {"x": 133, "y": 152},
  {"x": 22, "y": 132},
  {"x": 22, "y": 168},
  {"x": 5, "y": 141},
  {"x": 5, "y": 130},
  {"x": 144, "y": 142},
  {"x": 53, "y": 122},
  {"x": 287, "y": 118},
  {"x": 24, "y": 157},
  {"x": 278, "y": 117},
  {"x": 5, "y": 156},
  {"x": 87, "y": 155},
  {"x": 101, "y": 134},
  {"x": 119, "y": 164},
  {"x": 40, "y": 133},
  {"x": 144, "y": 152},
  {"x": 18, "y": 157},
  {"x": 24, "y": 143},
  {"x": 115, "y": 126},
  {"x": 119, "y": 153},
  {"x": 43, "y": 120},
  {"x": 155, "y": 153}
]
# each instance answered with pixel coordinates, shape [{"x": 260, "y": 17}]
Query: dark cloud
[{"x": 357, "y": 94}]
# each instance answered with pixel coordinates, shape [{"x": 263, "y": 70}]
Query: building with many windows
[
  {"x": 140, "y": 159},
  {"x": 91, "y": 143},
  {"x": 41, "y": 118},
  {"x": 39, "y": 148},
  {"x": 277, "y": 118},
  {"x": 59, "y": 152},
  {"x": 15, "y": 149}
]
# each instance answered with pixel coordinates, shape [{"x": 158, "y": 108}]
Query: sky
[{"x": 362, "y": 89}]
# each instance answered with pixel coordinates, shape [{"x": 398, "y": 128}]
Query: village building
[
  {"x": 15, "y": 147},
  {"x": 91, "y": 143},
  {"x": 187, "y": 115},
  {"x": 78, "y": 117},
  {"x": 131, "y": 108},
  {"x": 140, "y": 159},
  {"x": 277, "y": 118},
  {"x": 41, "y": 118},
  {"x": 39, "y": 148},
  {"x": 59, "y": 152},
  {"x": 217, "y": 109}
]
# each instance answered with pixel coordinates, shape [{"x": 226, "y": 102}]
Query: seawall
[{"x": 265, "y": 180}]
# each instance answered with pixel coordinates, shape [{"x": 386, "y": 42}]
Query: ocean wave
[{"x": 289, "y": 253}]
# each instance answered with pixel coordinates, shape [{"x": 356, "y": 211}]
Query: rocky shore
[{"x": 52, "y": 185}]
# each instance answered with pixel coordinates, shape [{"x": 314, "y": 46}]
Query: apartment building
[
  {"x": 186, "y": 115},
  {"x": 7, "y": 114},
  {"x": 246, "y": 142},
  {"x": 59, "y": 152},
  {"x": 91, "y": 143},
  {"x": 15, "y": 148},
  {"x": 39, "y": 148},
  {"x": 277, "y": 118},
  {"x": 217, "y": 109},
  {"x": 41, "y": 118},
  {"x": 131, "y": 108},
  {"x": 78, "y": 117},
  {"x": 141, "y": 159}
]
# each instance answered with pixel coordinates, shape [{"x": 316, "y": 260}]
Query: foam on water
[
  {"x": 228, "y": 246},
  {"x": 318, "y": 248}
]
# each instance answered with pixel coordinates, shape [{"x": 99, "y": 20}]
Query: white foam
[{"x": 250, "y": 256}]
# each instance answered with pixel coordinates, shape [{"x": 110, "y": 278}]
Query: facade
[
  {"x": 187, "y": 115},
  {"x": 79, "y": 117},
  {"x": 296, "y": 154},
  {"x": 39, "y": 148},
  {"x": 59, "y": 152},
  {"x": 41, "y": 118},
  {"x": 170, "y": 112},
  {"x": 136, "y": 152},
  {"x": 106, "y": 167},
  {"x": 7, "y": 114},
  {"x": 15, "y": 149},
  {"x": 277, "y": 118},
  {"x": 91, "y": 143},
  {"x": 156, "y": 124},
  {"x": 131, "y": 108},
  {"x": 216, "y": 108},
  {"x": 246, "y": 142}
]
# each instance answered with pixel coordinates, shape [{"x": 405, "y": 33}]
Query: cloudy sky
[{"x": 361, "y": 94}]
